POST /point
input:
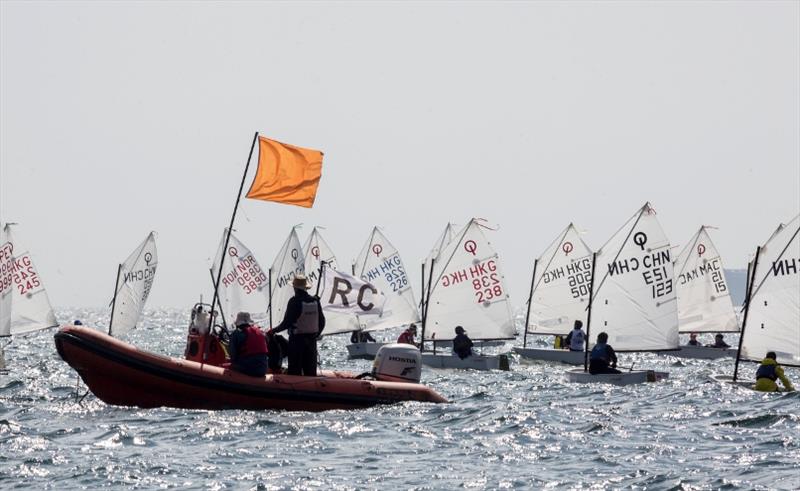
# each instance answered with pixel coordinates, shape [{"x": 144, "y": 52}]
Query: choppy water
[{"x": 521, "y": 429}]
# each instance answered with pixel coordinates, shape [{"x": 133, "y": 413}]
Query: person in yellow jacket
[{"x": 768, "y": 372}]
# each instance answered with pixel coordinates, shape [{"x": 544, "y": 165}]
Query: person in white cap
[
  {"x": 305, "y": 321},
  {"x": 248, "y": 347}
]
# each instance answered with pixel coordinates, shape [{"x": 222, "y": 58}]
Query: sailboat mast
[
  {"x": 746, "y": 310},
  {"x": 219, "y": 300},
  {"x": 425, "y": 307},
  {"x": 589, "y": 318},
  {"x": 530, "y": 297},
  {"x": 114, "y": 300},
  {"x": 269, "y": 307}
]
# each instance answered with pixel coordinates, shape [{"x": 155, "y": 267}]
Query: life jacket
[
  {"x": 308, "y": 323},
  {"x": 406, "y": 338},
  {"x": 767, "y": 371},
  {"x": 557, "y": 342},
  {"x": 254, "y": 344},
  {"x": 600, "y": 353},
  {"x": 576, "y": 342}
]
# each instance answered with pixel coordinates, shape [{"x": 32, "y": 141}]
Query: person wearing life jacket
[
  {"x": 693, "y": 340},
  {"x": 407, "y": 336},
  {"x": 718, "y": 342},
  {"x": 248, "y": 347},
  {"x": 768, "y": 373},
  {"x": 305, "y": 321},
  {"x": 603, "y": 359},
  {"x": 576, "y": 339},
  {"x": 462, "y": 344}
]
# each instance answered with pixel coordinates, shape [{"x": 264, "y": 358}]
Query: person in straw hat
[{"x": 305, "y": 321}]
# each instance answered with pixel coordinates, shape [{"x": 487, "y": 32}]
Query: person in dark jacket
[
  {"x": 603, "y": 359},
  {"x": 719, "y": 342},
  {"x": 248, "y": 347},
  {"x": 278, "y": 350},
  {"x": 305, "y": 321},
  {"x": 462, "y": 344},
  {"x": 361, "y": 337},
  {"x": 693, "y": 340}
]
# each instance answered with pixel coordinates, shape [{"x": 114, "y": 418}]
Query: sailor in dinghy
[
  {"x": 559, "y": 297},
  {"x": 633, "y": 296},
  {"x": 467, "y": 289},
  {"x": 771, "y": 323},
  {"x": 704, "y": 300}
]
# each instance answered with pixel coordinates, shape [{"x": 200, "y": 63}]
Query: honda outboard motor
[{"x": 397, "y": 363}]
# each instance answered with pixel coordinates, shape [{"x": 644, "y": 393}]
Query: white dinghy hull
[
  {"x": 577, "y": 375},
  {"x": 728, "y": 379},
  {"x": 363, "y": 351},
  {"x": 552, "y": 354},
  {"x": 474, "y": 362},
  {"x": 701, "y": 352}
]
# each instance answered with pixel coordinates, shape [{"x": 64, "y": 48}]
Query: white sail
[
  {"x": 773, "y": 312},
  {"x": 379, "y": 263},
  {"x": 441, "y": 242},
  {"x": 468, "y": 290},
  {"x": 243, "y": 286},
  {"x": 634, "y": 291},
  {"x": 316, "y": 250},
  {"x": 30, "y": 306},
  {"x": 561, "y": 285},
  {"x": 6, "y": 282},
  {"x": 287, "y": 264},
  {"x": 704, "y": 300},
  {"x": 134, "y": 281},
  {"x": 349, "y": 303}
]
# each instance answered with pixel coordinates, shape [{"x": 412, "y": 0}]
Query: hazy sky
[{"x": 122, "y": 118}]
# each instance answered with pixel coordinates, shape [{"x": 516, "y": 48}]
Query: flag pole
[
  {"x": 228, "y": 238},
  {"x": 219, "y": 301}
]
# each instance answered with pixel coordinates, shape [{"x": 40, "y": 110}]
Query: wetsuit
[
  {"x": 462, "y": 345},
  {"x": 248, "y": 351},
  {"x": 361, "y": 337},
  {"x": 694, "y": 342},
  {"x": 768, "y": 373},
  {"x": 305, "y": 321},
  {"x": 602, "y": 359}
]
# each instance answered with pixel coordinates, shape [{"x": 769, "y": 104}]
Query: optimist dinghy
[
  {"x": 633, "y": 299},
  {"x": 559, "y": 295},
  {"x": 772, "y": 307},
  {"x": 24, "y": 305},
  {"x": 467, "y": 289},
  {"x": 379, "y": 263},
  {"x": 704, "y": 300}
]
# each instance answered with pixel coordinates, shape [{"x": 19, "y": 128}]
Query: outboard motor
[
  {"x": 398, "y": 363},
  {"x": 199, "y": 336}
]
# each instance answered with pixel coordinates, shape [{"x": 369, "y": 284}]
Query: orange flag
[{"x": 286, "y": 174}]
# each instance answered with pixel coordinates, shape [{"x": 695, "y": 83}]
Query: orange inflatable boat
[{"x": 118, "y": 373}]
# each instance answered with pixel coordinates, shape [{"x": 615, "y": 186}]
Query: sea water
[{"x": 526, "y": 428}]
